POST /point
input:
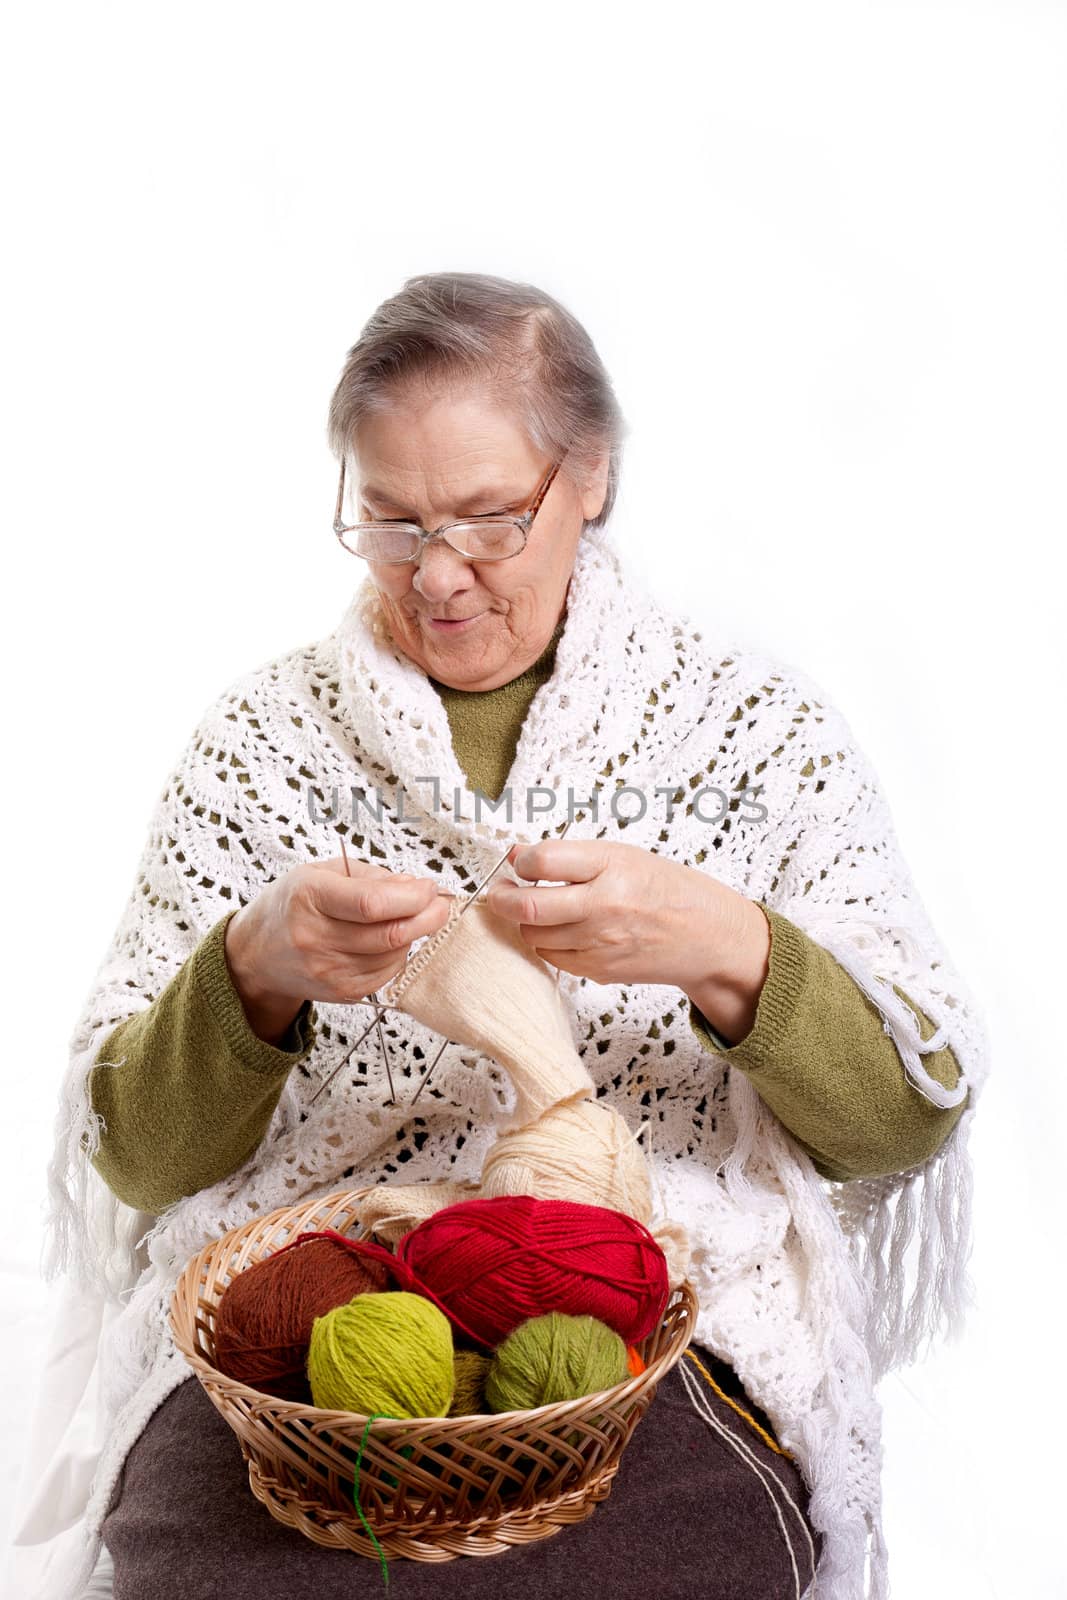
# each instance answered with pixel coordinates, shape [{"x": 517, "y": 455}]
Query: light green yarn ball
[
  {"x": 554, "y": 1357},
  {"x": 386, "y": 1354}
]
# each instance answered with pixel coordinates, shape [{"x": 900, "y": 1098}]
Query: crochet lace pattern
[{"x": 804, "y": 1286}]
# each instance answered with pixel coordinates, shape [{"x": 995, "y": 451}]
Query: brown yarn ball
[
  {"x": 472, "y": 1369},
  {"x": 263, "y": 1319}
]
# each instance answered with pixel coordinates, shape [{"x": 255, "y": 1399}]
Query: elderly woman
[{"x": 748, "y": 973}]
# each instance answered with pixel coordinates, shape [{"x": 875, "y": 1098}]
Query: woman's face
[{"x": 435, "y": 459}]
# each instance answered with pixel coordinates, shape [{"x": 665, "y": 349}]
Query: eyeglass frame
[{"x": 524, "y": 522}]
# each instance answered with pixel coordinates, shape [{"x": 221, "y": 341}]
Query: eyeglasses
[{"x": 480, "y": 538}]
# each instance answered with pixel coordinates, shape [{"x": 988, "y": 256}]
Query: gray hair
[{"x": 512, "y": 338}]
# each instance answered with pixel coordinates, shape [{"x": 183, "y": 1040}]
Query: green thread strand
[{"x": 359, "y": 1508}]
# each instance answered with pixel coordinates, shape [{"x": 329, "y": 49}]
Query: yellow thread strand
[{"x": 741, "y": 1412}]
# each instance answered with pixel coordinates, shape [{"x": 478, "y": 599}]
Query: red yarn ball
[
  {"x": 495, "y": 1262},
  {"x": 263, "y": 1319}
]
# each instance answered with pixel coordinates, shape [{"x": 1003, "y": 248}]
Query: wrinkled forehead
[{"x": 445, "y": 451}]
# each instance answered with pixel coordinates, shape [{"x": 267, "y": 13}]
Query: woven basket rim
[
  {"x": 396, "y": 1425},
  {"x": 388, "y": 1427}
]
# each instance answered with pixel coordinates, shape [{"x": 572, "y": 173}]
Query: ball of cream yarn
[{"x": 581, "y": 1150}]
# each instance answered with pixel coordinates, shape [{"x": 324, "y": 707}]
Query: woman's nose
[{"x": 441, "y": 571}]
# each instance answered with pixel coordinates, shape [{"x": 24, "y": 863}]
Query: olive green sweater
[{"x": 196, "y": 1088}]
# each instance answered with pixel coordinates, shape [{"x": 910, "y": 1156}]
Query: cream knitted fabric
[
  {"x": 477, "y": 982},
  {"x": 808, "y": 1288}
]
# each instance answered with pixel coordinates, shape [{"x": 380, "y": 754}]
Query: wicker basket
[{"x": 432, "y": 1488}]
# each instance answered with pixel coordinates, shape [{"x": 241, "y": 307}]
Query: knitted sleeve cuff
[
  {"x": 215, "y": 983},
  {"x": 786, "y": 976},
  {"x": 818, "y": 1055}
]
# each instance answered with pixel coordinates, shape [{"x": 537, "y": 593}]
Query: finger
[
  {"x": 354, "y": 939},
  {"x": 578, "y": 962},
  {"x": 515, "y": 902},
  {"x": 340, "y": 989},
  {"x": 570, "y": 936},
  {"x": 561, "y": 860},
  {"x": 369, "y": 897}
]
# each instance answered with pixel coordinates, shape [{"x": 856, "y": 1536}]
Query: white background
[{"x": 822, "y": 250}]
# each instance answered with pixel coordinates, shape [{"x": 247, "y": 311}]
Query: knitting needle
[
  {"x": 497, "y": 868},
  {"x": 466, "y": 907},
  {"x": 468, "y": 903},
  {"x": 429, "y": 1069},
  {"x": 380, "y": 1011},
  {"x": 374, "y": 998},
  {"x": 343, "y": 1062},
  {"x": 371, "y": 999}
]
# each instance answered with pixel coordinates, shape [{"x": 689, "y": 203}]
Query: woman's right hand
[{"x": 318, "y": 934}]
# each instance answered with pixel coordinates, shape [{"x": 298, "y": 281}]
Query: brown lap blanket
[{"x": 686, "y": 1516}]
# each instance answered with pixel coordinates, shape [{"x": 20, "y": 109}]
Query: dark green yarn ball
[{"x": 552, "y": 1358}]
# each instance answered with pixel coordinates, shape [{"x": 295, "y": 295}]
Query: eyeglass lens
[{"x": 480, "y": 541}]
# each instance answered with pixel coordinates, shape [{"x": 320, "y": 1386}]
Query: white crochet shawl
[{"x": 804, "y": 1285}]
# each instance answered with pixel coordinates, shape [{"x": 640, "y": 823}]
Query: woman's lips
[{"x": 444, "y": 625}]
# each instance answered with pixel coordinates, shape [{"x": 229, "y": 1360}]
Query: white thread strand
[{"x": 701, "y": 1404}]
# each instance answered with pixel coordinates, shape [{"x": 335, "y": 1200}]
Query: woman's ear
[{"x": 595, "y": 492}]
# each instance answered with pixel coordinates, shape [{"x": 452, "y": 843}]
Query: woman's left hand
[{"x": 617, "y": 913}]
